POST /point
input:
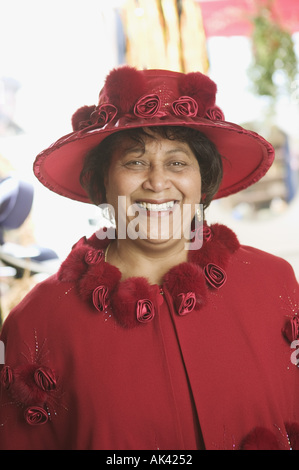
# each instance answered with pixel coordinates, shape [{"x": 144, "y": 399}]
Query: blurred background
[{"x": 54, "y": 56}]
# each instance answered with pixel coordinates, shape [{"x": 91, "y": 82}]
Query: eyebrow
[
  {"x": 179, "y": 149},
  {"x": 188, "y": 152},
  {"x": 133, "y": 149},
  {"x": 139, "y": 150}
]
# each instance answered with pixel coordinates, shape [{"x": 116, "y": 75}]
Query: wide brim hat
[{"x": 133, "y": 98}]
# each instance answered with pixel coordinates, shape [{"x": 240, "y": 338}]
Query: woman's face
[{"x": 159, "y": 184}]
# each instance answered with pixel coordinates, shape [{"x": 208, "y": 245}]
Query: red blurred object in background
[{"x": 232, "y": 17}]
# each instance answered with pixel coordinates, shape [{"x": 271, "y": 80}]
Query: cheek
[
  {"x": 119, "y": 184},
  {"x": 191, "y": 186}
]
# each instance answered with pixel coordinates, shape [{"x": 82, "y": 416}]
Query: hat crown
[
  {"x": 125, "y": 85},
  {"x": 145, "y": 94}
]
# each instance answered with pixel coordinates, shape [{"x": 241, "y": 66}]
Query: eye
[
  {"x": 134, "y": 163},
  {"x": 177, "y": 164}
]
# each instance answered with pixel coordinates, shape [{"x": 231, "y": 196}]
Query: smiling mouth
[{"x": 151, "y": 207}]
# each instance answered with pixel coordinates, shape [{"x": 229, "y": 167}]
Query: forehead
[{"x": 147, "y": 141}]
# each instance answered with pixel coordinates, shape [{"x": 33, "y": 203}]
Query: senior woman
[{"x": 152, "y": 339}]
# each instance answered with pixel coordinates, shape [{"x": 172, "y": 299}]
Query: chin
[
  {"x": 160, "y": 242},
  {"x": 155, "y": 235}
]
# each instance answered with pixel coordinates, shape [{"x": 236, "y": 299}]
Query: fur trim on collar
[{"x": 135, "y": 301}]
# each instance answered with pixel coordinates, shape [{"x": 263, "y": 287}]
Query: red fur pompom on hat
[
  {"x": 81, "y": 115},
  {"x": 201, "y": 88},
  {"x": 123, "y": 87},
  {"x": 260, "y": 439}
]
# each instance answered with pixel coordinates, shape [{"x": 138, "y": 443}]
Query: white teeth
[{"x": 156, "y": 207}]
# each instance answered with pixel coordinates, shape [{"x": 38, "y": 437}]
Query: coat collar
[{"x": 135, "y": 301}]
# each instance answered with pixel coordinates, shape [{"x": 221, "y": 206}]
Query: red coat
[{"x": 203, "y": 362}]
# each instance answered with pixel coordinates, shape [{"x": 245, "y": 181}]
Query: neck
[{"x": 143, "y": 258}]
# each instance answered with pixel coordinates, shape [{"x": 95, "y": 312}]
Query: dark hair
[{"x": 97, "y": 161}]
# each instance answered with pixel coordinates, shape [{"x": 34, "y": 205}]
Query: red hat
[{"x": 132, "y": 99}]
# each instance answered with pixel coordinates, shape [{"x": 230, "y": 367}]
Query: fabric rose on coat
[
  {"x": 202, "y": 233},
  {"x": 291, "y": 329},
  {"x": 207, "y": 233},
  {"x": 32, "y": 383},
  {"x": 145, "y": 311},
  {"x": 94, "y": 256},
  {"x": 45, "y": 379},
  {"x": 215, "y": 275},
  {"x": 185, "y": 303},
  {"x": 99, "y": 298},
  {"x": 134, "y": 302},
  {"x": 6, "y": 377},
  {"x": 35, "y": 415}
]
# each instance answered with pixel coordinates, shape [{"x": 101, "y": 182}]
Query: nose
[{"x": 156, "y": 180}]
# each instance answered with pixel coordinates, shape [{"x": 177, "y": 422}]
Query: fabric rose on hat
[
  {"x": 148, "y": 106},
  {"x": 215, "y": 114},
  {"x": 103, "y": 114},
  {"x": 185, "y": 106}
]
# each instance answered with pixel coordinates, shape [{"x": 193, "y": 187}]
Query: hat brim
[{"x": 246, "y": 155}]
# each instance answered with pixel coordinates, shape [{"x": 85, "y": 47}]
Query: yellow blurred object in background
[{"x": 165, "y": 34}]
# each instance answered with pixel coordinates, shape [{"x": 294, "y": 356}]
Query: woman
[{"x": 141, "y": 341}]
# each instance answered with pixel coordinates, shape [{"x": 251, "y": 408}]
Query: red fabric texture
[{"x": 218, "y": 377}]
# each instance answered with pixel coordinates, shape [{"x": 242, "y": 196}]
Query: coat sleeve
[{"x": 29, "y": 384}]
